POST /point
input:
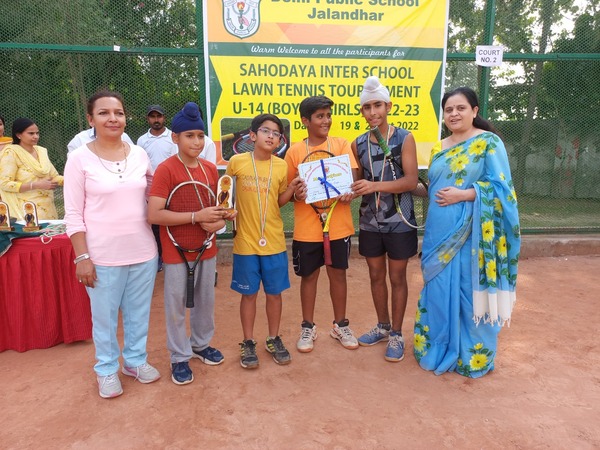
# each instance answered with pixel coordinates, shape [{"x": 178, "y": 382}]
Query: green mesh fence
[{"x": 544, "y": 99}]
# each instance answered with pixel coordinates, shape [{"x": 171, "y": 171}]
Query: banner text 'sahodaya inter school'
[{"x": 266, "y": 56}]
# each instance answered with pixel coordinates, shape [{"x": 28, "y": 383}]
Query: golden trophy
[
  {"x": 5, "y": 218},
  {"x": 31, "y": 217},
  {"x": 225, "y": 192}
]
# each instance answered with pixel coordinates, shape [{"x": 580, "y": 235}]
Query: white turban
[{"x": 374, "y": 90}]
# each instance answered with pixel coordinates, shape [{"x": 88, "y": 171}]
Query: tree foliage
[
  {"x": 51, "y": 87},
  {"x": 571, "y": 87}
]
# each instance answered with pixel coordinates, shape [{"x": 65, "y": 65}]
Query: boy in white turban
[{"x": 382, "y": 233}]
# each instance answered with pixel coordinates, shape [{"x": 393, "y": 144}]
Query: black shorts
[
  {"x": 397, "y": 245},
  {"x": 308, "y": 256}
]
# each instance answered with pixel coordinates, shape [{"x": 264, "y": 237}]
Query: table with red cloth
[{"x": 41, "y": 302}]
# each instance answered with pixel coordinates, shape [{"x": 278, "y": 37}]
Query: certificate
[{"x": 326, "y": 178}]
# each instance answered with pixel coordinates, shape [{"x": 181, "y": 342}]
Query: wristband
[{"x": 81, "y": 257}]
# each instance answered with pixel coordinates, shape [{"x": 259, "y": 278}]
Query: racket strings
[
  {"x": 322, "y": 207},
  {"x": 191, "y": 197}
]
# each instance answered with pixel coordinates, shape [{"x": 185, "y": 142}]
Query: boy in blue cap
[{"x": 186, "y": 165}]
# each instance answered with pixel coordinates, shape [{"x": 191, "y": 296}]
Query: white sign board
[{"x": 489, "y": 55}]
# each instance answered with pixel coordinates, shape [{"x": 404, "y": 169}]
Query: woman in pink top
[{"x": 105, "y": 190}]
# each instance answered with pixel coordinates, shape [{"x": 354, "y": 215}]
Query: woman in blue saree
[{"x": 470, "y": 247}]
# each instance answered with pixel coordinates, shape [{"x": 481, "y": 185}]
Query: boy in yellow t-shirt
[
  {"x": 307, "y": 246},
  {"x": 259, "y": 248}
]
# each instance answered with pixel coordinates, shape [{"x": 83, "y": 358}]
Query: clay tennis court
[{"x": 544, "y": 392}]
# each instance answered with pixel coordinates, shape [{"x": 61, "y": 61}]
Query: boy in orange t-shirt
[{"x": 307, "y": 246}]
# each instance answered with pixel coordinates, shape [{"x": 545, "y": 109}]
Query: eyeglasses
[{"x": 269, "y": 133}]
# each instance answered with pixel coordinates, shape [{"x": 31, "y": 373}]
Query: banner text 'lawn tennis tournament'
[{"x": 267, "y": 56}]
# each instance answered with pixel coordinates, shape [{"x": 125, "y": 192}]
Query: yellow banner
[{"x": 267, "y": 56}]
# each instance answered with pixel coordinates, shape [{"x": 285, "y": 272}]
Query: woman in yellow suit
[{"x": 26, "y": 173}]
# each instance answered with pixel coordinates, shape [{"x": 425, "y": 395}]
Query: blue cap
[{"x": 187, "y": 119}]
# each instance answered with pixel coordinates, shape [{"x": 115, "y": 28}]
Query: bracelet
[
  {"x": 193, "y": 218},
  {"x": 81, "y": 257}
]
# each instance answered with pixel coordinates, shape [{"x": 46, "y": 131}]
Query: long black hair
[
  {"x": 471, "y": 96},
  {"x": 20, "y": 125}
]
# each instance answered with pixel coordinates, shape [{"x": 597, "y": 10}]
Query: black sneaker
[
  {"x": 248, "y": 358},
  {"x": 276, "y": 348}
]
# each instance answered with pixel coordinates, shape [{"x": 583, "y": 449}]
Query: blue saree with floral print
[{"x": 470, "y": 256}]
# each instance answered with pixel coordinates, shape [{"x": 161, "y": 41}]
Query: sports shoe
[
  {"x": 307, "y": 336},
  {"x": 374, "y": 336},
  {"x": 248, "y": 358},
  {"x": 181, "y": 373},
  {"x": 209, "y": 355},
  {"x": 144, "y": 373},
  {"x": 343, "y": 333},
  {"x": 109, "y": 386},
  {"x": 276, "y": 348},
  {"x": 395, "y": 348}
]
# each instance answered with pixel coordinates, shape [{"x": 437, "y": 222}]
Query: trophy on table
[
  {"x": 5, "y": 218},
  {"x": 31, "y": 217}
]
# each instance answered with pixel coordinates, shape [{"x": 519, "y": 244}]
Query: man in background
[
  {"x": 157, "y": 141},
  {"x": 159, "y": 146}
]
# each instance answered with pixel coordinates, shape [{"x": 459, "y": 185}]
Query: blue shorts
[{"x": 250, "y": 270}]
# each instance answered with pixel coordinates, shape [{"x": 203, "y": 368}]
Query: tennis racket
[
  {"x": 405, "y": 204},
  {"x": 324, "y": 208},
  {"x": 244, "y": 145},
  {"x": 190, "y": 196},
  {"x": 236, "y": 135}
]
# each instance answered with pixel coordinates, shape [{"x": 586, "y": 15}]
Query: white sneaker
[
  {"x": 307, "y": 337},
  {"x": 144, "y": 373},
  {"x": 109, "y": 386},
  {"x": 344, "y": 335}
]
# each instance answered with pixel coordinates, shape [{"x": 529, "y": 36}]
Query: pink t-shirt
[{"x": 110, "y": 206}]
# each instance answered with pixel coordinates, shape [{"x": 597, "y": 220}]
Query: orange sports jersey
[{"x": 307, "y": 225}]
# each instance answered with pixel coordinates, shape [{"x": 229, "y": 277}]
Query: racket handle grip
[
  {"x": 326, "y": 249},
  {"x": 381, "y": 141},
  {"x": 190, "y": 291}
]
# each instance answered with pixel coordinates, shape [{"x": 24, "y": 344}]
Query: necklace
[
  {"x": 308, "y": 148},
  {"x": 193, "y": 179},
  {"x": 387, "y": 141},
  {"x": 263, "y": 214},
  {"x": 119, "y": 171},
  {"x": 190, "y": 174}
]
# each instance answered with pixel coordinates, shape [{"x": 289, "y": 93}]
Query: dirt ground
[{"x": 544, "y": 392}]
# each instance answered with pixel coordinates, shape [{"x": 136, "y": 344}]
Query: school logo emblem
[{"x": 241, "y": 18}]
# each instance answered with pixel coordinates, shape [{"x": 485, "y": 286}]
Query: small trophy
[
  {"x": 31, "y": 217},
  {"x": 5, "y": 218},
  {"x": 225, "y": 192}
]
